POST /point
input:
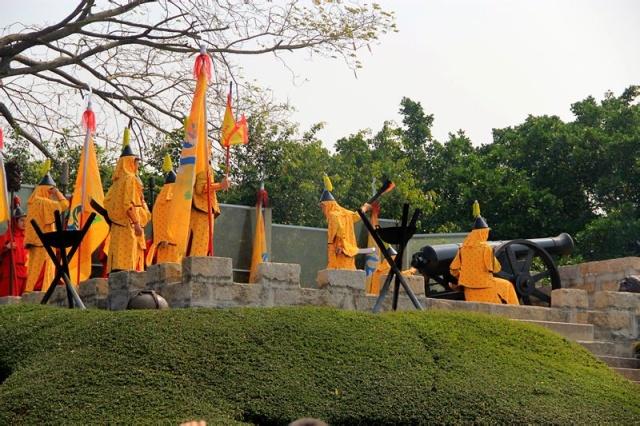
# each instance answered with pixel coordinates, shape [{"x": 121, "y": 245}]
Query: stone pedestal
[
  {"x": 33, "y": 297},
  {"x": 344, "y": 289},
  {"x": 207, "y": 270},
  {"x": 341, "y": 278},
  {"x": 59, "y": 297},
  {"x": 280, "y": 284},
  {"x": 287, "y": 274},
  {"x": 10, "y": 300},
  {"x": 162, "y": 274},
  {"x": 94, "y": 293},
  {"x": 123, "y": 285},
  {"x": 204, "y": 281}
]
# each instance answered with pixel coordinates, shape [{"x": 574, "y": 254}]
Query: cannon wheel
[{"x": 528, "y": 270}]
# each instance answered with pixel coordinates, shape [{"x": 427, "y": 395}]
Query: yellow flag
[
  {"x": 190, "y": 158},
  {"x": 5, "y": 213},
  {"x": 233, "y": 133},
  {"x": 88, "y": 186},
  {"x": 259, "y": 253}
]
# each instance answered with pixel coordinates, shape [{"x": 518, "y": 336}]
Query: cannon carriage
[{"x": 527, "y": 264}]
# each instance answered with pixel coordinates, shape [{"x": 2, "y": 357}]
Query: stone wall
[
  {"x": 603, "y": 275},
  {"x": 207, "y": 282}
]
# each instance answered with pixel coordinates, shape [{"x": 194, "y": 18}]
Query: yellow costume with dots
[
  {"x": 124, "y": 203},
  {"x": 164, "y": 246},
  {"x": 41, "y": 208},
  {"x": 199, "y": 224},
  {"x": 340, "y": 235},
  {"x": 475, "y": 264},
  {"x": 166, "y": 249}
]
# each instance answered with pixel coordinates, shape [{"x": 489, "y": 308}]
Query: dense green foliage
[
  {"x": 536, "y": 179},
  {"x": 270, "y": 366}
]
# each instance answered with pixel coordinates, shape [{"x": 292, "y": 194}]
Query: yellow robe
[
  {"x": 41, "y": 208},
  {"x": 340, "y": 234},
  {"x": 164, "y": 246},
  {"x": 383, "y": 270},
  {"x": 125, "y": 193},
  {"x": 474, "y": 266},
  {"x": 199, "y": 221},
  {"x": 144, "y": 216}
]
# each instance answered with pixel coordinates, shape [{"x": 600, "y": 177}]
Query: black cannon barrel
[
  {"x": 435, "y": 260},
  {"x": 560, "y": 245}
]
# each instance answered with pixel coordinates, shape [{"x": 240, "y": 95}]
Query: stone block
[
  {"x": 610, "y": 285},
  {"x": 588, "y": 285},
  {"x": 163, "y": 273},
  {"x": 10, "y": 300},
  {"x": 59, "y": 296},
  {"x": 202, "y": 295},
  {"x": 94, "y": 287},
  {"x": 123, "y": 285},
  {"x": 581, "y": 317},
  {"x": 614, "y": 324},
  {"x": 177, "y": 295},
  {"x": 341, "y": 278},
  {"x": 314, "y": 297},
  {"x": 569, "y": 274},
  {"x": 366, "y": 302},
  {"x": 242, "y": 294},
  {"x": 569, "y": 298},
  {"x": 33, "y": 297},
  {"x": 415, "y": 282},
  {"x": 289, "y": 297},
  {"x": 631, "y": 262},
  {"x": 611, "y": 300},
  {"x": 94, "y": 292},
  {"x": 208, "y": 270},
  {"x": 270, "y": 273}
]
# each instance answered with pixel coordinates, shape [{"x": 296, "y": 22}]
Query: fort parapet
[{"x": 587, "y": 310}]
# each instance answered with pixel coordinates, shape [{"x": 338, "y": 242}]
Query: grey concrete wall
[{"x": 233, "y": 236}]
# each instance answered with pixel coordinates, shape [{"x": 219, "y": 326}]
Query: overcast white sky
[{"x": 475, "y": 64}]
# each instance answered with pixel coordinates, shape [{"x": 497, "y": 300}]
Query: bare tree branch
[{"x": 137, "y": 56}]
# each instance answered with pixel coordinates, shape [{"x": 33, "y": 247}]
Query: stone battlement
[{"x": 207, "y": 282}]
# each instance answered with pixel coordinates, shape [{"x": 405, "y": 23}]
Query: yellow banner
[
  {"x": 191, "y": 157},
  {"x": 88, "y": 186}
]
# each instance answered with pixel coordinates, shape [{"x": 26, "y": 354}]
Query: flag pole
[
  {"x": 84, "y": 185},
  {"x": 203, "y": 51},
  {"x": 228, "y": 145}
]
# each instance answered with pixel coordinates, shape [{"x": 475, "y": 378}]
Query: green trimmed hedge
[{"x": 270, "y": 366}]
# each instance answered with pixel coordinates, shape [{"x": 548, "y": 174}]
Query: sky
[{"x": 475, "y": 64}]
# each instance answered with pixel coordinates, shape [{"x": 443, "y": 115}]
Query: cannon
[{"x": 527, "y": 264}]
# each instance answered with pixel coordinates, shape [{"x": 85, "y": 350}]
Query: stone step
[
  {"x": 572, "y": 331},
  {"x": 632, "y": 374},
  {"x": 599, "y": 347},
  {"x": 620, "y": 362}
]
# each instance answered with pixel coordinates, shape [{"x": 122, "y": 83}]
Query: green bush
[{"x": 270, "y": 366}]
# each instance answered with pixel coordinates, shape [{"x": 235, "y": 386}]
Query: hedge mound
[{"x": 270, "y": 366}]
